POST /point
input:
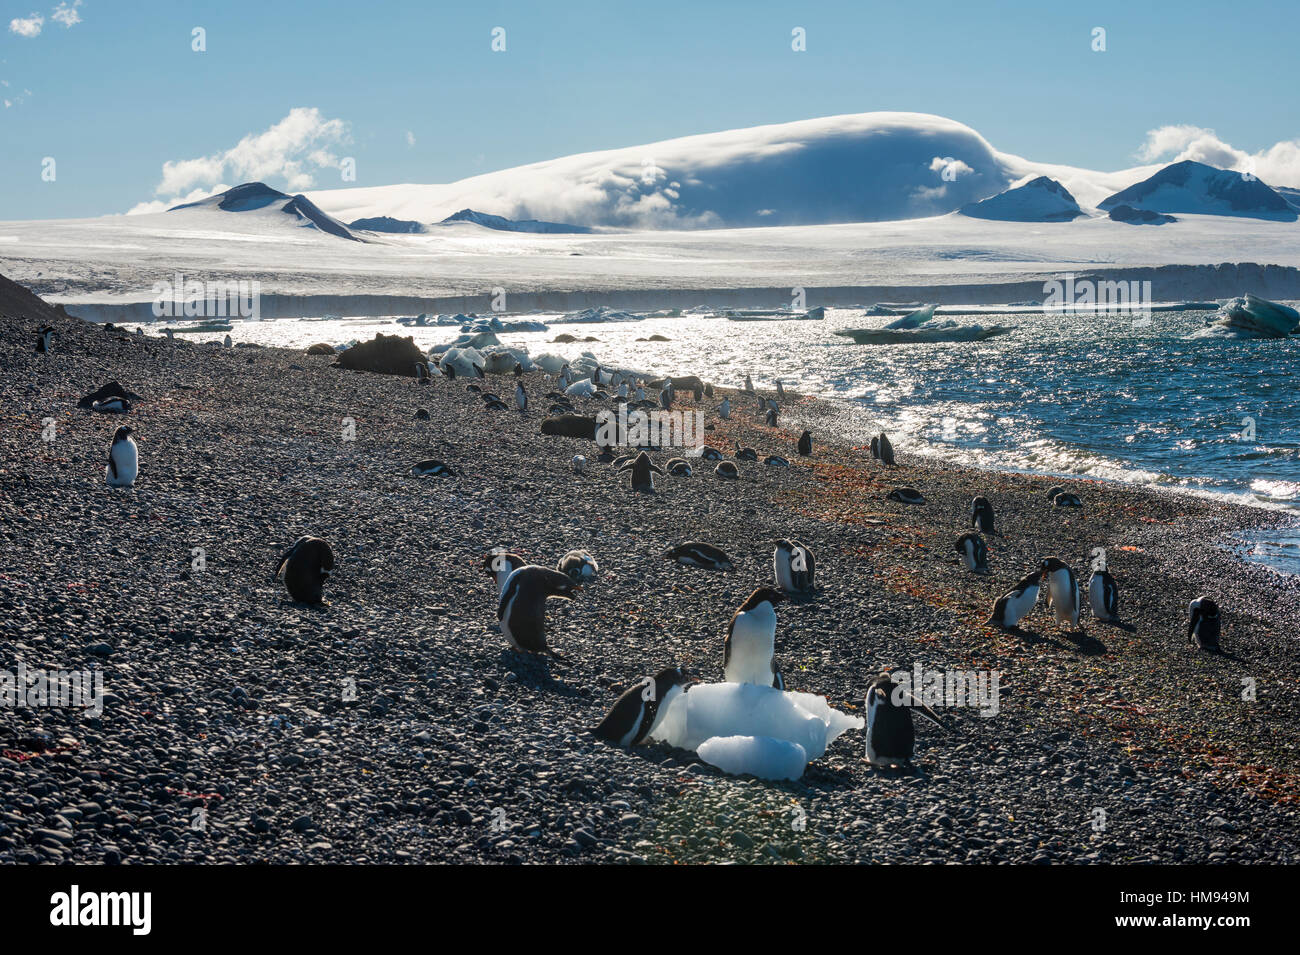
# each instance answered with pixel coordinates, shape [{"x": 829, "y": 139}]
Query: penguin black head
[
  {"x": 122, "y": 433},
  {"x": 497, "y": 561},
  {"x": 1050, "y": 565},
  {"x": 760, "y": 596}
]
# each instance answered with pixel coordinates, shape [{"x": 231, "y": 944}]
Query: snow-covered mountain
[
  {"x": 1039, "y": 200},
  {"x": 1195, "y": 188},
  {"x": 502, "y": 224},
  {"x": 260, "y": 200}
]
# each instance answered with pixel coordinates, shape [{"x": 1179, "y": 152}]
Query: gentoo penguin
[
  {"x": 891, "y": 738},
  {"x": 45, "y": 340},
  {"x": 1011, "y": 607},
  {"x": 475, "y": 389},
  {"x": 794, "y": 566},
  {"x": 1103, "y": 596},
  {"x": 449, "y": 370},
  {"x": 228, "y": 342},
  {"x": 708, "y": 389},
  {"x": 123, "y": 459},
  {"x": 745, "y": 454},
  {"x": 751, "y": 640},
  {"x": 886, "y": 449},
  {"x": 906, "y": 495},
  {"x": 1062, "y": 591},
  {"x": 579, "y": 464},
  {"x": 805, "y": 444},
  {"x": 974, "y": 553},
  {"x": 634, "y": 714},
  {"x": 434, "y": 468},
  {"x": 1052, "y": 491},
  {"x": 114, "y": 405},
  {"x": 770, "y": 417},
  {"x": 726, "y": 470},
  {"x": 724, "y": 409},
  {"x": 875, "y": 446},
  {"x": 578, "y": 566},
  {"x": 421, "y": 373},
  {"x": 521, "y": 396},
  {"x": 710, "y": 453},
  {"x": 522, "y": 608},
  {"x": 776, "y": 461},
  {"x": 500, "y": 564},
  {"x": 749, "y": 385},
  {"x": 666, "y": 398},
  {"x": 699, "y": 554},
  {"x": 780, "y": 390},
  {"x": 478, "y": 370},
  {"x": 421, "y": 414},
  {"x": 643, "y": 472},
  {"x": 495, "y": 404},
  {"x": 1065, "y": 499},
  {"x": 306, "y": 565},
  {"x": 622, "y": 389},
  {"x": 981, "y": 515},
  {"x": 1203, "y": 624},
  {"x": 678, "y": 467},
  {"x": 519, "y": 370},
  {"x": 171, "y": 333}
]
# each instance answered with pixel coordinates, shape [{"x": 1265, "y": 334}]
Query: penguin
[
  {"x": 634, "y": 714},
  {"x": 770, "y": 418},
  {"x": 745, "y": 454},
  {"x": 521, "y": 396},
  {"x": 45, "y": 340},
  {"x": 522, "y": 608},
  {"x": 475, "y": 389},
  {"x": 793, "y": 565},
  {"x": 485, "y": 395},
  {"x": 749, "y": 385},
  {"x": 804, "y": 446},
  {"x": 1062, "y": 591},
  {"x": 708, "y": 389},
  {"x": 974, "y": 553},
  {"x": 123, "y": 459},
  {"x": 1065, "y": 499},
  {"x": 478, "y": 370},
  {"x": 906, "y": 495},
  {"x": 579, "y": 464},
  {"x": 434, "y": 468},
  {"x": 578, "y": 566},
  {"x": 780, "y": 390},
  {"x": 306, "y": 565},
  {"x": 519, "y": 370},
  {"x": 981, "y": 515},
  {"x": 666, "y": 398},
  {"x": 499, "y": 565},
  {"x": 724, "y": 409},
  {"x": 449, "y": 370},
  {"x": 710, "y": 453},
  {"x": 699, "y": 554},
  {"x": 875, "y": 447},
  {"x": 1011, "y": 607},
  {"x": 891, "y": 738},
  {"x": 747, "y": 652},
  {"x": 421, "y": 414},
  {"x": 622, "y": 389},
  {"x": 171, "y": 333},
  {"x": 114, "y": 405},
  {"x": 421, "y": 373},
  {"x": 727, "y": 471},
  {"x": 643, "y": 472},
  {"x": 1203, "y": 624},
  {"x": 886, "y": 450},
  {"x": 1052, "y": 491},
  {"x": 1103, "y": 596},
  {"x": 495, "y": 404},
  {"x": 228, "y": 342},
  {"x": 776, "y": 461},
  {"x": 678, "y": 467}
]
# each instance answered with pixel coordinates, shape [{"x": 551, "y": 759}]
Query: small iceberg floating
[
  {"x": 746, "y": 728},
  {"x": 1251, "y": 317},
  {"x": 776, "y": 315},
  {"x": 917, "y": 328}
]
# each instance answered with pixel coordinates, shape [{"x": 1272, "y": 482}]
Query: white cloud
[
  {"x": 27, "y": 26},
  {"x": 161, "y": 205},
  {"x": 1278, "y": 165},
  {"x": 67, "y": 14},
  {"x": 410, "y": 138},
  {"x": 292, "y": 150}
]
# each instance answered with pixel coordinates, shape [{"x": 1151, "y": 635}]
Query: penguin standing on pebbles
[
  {"x": 974, "y": 553},
  {"x": 45, "y": 340},
  {"x": 633, "y": 716},
  {"x": 981, "y": 515},
  {"x": 123, "y": 459},
  {"x": 891, "y": 738},
  {"x": 886, "y": 450},
  {"x": 875, "y": 447},
  {"x": 794, "y": 566},
  {"x": 1103, "y": 596},
  {"x": 724, "y": 409},
  {"x": 521, "y": 396},
  {"x": 306, "y": 566},
  {"x": 643, "y": 472},
  {"x": 500, "y": 564},
  {"x": 805, "y": 444},
  {"x": 1203, "y": 625},
  {"x": 1062, "y": 591},
  {"x": 1011, "y": 607},
  {"x": 747, "y": 653},
  {"x": 522, "y": 608}
]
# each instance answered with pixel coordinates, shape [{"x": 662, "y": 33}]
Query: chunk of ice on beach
[
  {"x": 746, "y": 709},
  {"x": 1251, "y": 317},
  {"x": 761, "y": 756}
]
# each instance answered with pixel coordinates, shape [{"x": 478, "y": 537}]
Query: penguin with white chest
[
  {"x": 500, "y": 564},
  {"x": 794, "y": 566},
  {"x": 804, "y": 446},
  {"x": 1103, "y": 596},
  {"x": 981, "y": 515},
  {"x": 1204, "y": 623},
  {"x": 306, "y": 566},
  {"x": 643, "y": 472},
  {"x": 1011, "y": 607},
  {"x": 123, "y": 459},
  {"x": 634, "y": 714},
  {"x": 522, "y": 608},
  {"x": 1062, "y": 591},
  {"x": 974, "y": 553},
  {"x": 891, "y": 738},
  {"x": 748, "y": 652},
  {"x": 521, "y": 396},
  {"x": 700, "y": 554},
  {"x": 45, "y": 340},
  {"x": 724, "y": 409}
]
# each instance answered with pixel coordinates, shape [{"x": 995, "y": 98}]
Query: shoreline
[{"x": 223, "y": 688}]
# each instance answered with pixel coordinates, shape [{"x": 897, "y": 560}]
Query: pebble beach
[{"x": 393, "y": 724}]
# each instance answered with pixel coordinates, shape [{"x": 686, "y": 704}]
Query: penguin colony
[{"x": 748, "y": 652}]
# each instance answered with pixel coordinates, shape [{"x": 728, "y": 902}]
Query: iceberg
[
  {"x": 1249, "y": 316},
  {"x": 914, "y": 319},
  {"x": 760, "y": 756}
]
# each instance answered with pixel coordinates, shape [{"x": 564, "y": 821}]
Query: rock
[{"x": 383, "y": 355}]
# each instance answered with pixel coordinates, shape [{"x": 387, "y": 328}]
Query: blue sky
[{"x": 116, "y": 95}]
